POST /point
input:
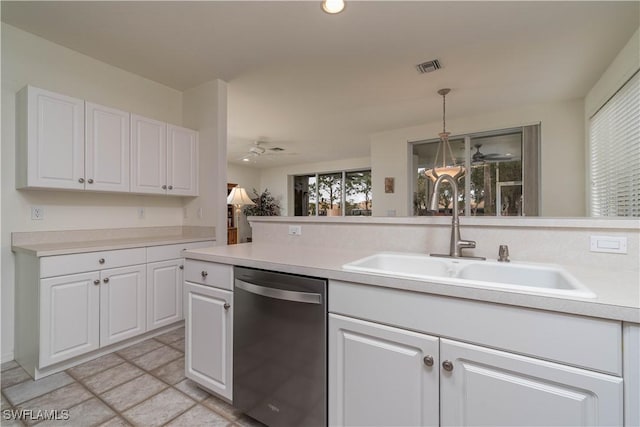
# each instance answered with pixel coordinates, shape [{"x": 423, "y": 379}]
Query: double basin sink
[{"x": 515, "y": 276}]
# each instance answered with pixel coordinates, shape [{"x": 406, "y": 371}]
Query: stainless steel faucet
[{"x": 456, "y": 244}]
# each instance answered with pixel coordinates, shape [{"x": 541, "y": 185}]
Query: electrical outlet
[
  {"x": 295, "y": 230},
  {"x": 141, "y": 213},
  {"x": 37, "y": 213}
]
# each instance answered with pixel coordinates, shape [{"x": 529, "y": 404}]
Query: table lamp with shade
[{"x": 238, "y": 197}]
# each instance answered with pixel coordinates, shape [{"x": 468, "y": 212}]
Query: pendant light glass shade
[{"x": 441, "y": 166}]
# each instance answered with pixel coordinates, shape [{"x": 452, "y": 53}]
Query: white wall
[
  {"x": 277, "y": 179},
  {"x": 247, "y": 178},
  {"x": 205, "y": 109},
  {"x": 30, "y": 59},
  {"x": 562, "y": 149}
]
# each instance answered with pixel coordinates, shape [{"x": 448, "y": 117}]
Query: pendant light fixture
[
  {"x": 444, "y": 167},
  {"x": 333, "y": 6}
]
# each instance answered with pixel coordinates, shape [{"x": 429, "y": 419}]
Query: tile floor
[{"x": 141, "y": 385}]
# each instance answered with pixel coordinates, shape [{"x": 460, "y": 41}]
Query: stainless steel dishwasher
[{"x": 280, "y": 347}]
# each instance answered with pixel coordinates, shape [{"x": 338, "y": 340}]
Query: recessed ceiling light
[
  {"x": 245, "y": 159},
  {"x": 333, "y": 6}
]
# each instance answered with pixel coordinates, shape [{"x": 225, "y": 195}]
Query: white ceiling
[{"x": 318, "y": 85}]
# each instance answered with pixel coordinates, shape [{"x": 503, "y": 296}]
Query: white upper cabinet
[
  {"x": 148, "y": 155},
  {"x": 182, "y": 161},
  {"x": 107, "y": 148},
  {"x": 164, "y": 158},
  {"x": 50, "y": 131}
]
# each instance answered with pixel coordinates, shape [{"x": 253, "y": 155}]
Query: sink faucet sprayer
[{"x": 457, "y": 244}]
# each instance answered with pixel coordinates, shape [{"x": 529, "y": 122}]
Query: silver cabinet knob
[
  {"x": 90, "y": 180},
  {"x": 81, "y": 180},
  {"x": 171, "y": 187},
  {"x": 164, "y": 187},
  {"x": 226, "y": 306},
  {"x": 105, "y": 280},
  {"x": 96, "y": 282},
  {"x": 101, "y": 260},
  {"x": 447, "y": 365},
  {"x": 204, "y": 273},
  {"x": 181, "y": 267},
  {"x": 428, "y": 360}
]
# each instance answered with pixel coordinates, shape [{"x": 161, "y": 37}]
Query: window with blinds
[{"x": 614, "y": 134}]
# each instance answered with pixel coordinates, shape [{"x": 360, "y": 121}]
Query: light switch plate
[{"x": 609, "y": 244}]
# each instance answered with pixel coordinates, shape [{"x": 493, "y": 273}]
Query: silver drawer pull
[
  {"x": 105, "y": 280},
  {"x": 164, "y": 187},
  {"x": 101, "y": 260},
  {"x": 81, "y": 180},
  {"x": 96, "y": 282},
  {"x": 204, "y": 273},
  {"x": 447, "y": 365},
  {"x": 171, "y": 187},
  {"x": 90, "y": 181},
  {"x": 226, "y": 306},
  {"x": 181, "y": 267}
]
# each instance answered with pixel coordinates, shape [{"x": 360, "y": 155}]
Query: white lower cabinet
[
  {"x": 386, "y": 376},
  {"x": 164, "y": 292},
  {"x": 208, "y": 337},
  {"x": 380, "y": 375},
  {"x": 69, "y": 317},
  {"x": 122, "y": 303},
  {"x": 485, "y": 387}
]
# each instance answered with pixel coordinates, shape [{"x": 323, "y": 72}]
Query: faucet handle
[{"x": 503, "y": 253}]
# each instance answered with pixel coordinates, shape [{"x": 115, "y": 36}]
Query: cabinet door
[
  {"x": 182, "y": 161},
  {"x": 208, "y": 332},
  {"x": 494, "y": 388},
  {"x": 122, "y": 304},
  {"x": 381, "y": 376},
  {"x": 54, "y": 140},
  {"x": 164, "y": 293},
  {"x": 69, "y": 321},
  {"x": 107, "y": 148},
  {"x": 148, "y": 155}
]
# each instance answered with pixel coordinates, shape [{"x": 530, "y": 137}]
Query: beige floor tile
[
  {"x": 159, "y": 409},
  {"x": 157, "y": 358},
  {"x": 62, "y": 398},
  {"x": 94, "y": 366},
  {"x": 9, "y": 365},
  {"x": 178, "y": 345},
  {"x": 190, "y": 388},
  {"x": 221, "y": 407},
  {"x": 89, "y": 413},
  {"x": 115, "y": 422},
  {"x": 133, "y": 392},
  {"x": 31, "y": 389},
  {"x": 5, "y": 403},
  {"x": 139, "y": 349},
  {"x": 171, "y": 336},
  {"x": 14, "y": 376},
  {"x": 112, "y": 377},
  {"x": 172, "y": 372},
  {"x": 11, "y": 423},
  {"x": 199, "y": 416}
]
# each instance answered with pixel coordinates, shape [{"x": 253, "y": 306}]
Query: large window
[
  {"x": 614, "y": 135},
  {"x": 333, "y": 194},
  {"x": 497, "y": 164}
]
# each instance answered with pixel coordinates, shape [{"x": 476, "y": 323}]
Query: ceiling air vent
[
  {"x": 429, "y": 66},
  {"x": 277, "y": 149}
]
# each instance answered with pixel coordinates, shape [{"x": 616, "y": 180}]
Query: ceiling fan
[
  {"x": 481, "y": 158},
  {"x": 258, "y": 149}
]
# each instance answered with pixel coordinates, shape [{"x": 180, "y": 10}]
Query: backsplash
[{"x": 558, "y": 241}]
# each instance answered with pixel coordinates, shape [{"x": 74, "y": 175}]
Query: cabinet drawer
[
  {"x": 165, "y": 252},
  {"x": 209, "y": 273},
  {"x": 90, "y": 261}
]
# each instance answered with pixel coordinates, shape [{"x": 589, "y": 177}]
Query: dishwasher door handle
[{"x": 305, "y": 297}]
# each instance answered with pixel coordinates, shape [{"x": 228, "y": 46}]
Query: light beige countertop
[
  {"x": 49, "y": 243},
  {"x": 617, "y": 292}
]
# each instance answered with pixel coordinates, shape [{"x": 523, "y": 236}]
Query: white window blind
[{"x": 614, "y": 133}]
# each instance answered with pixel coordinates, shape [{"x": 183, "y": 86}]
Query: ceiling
[{"x": 318, "y": 85}]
